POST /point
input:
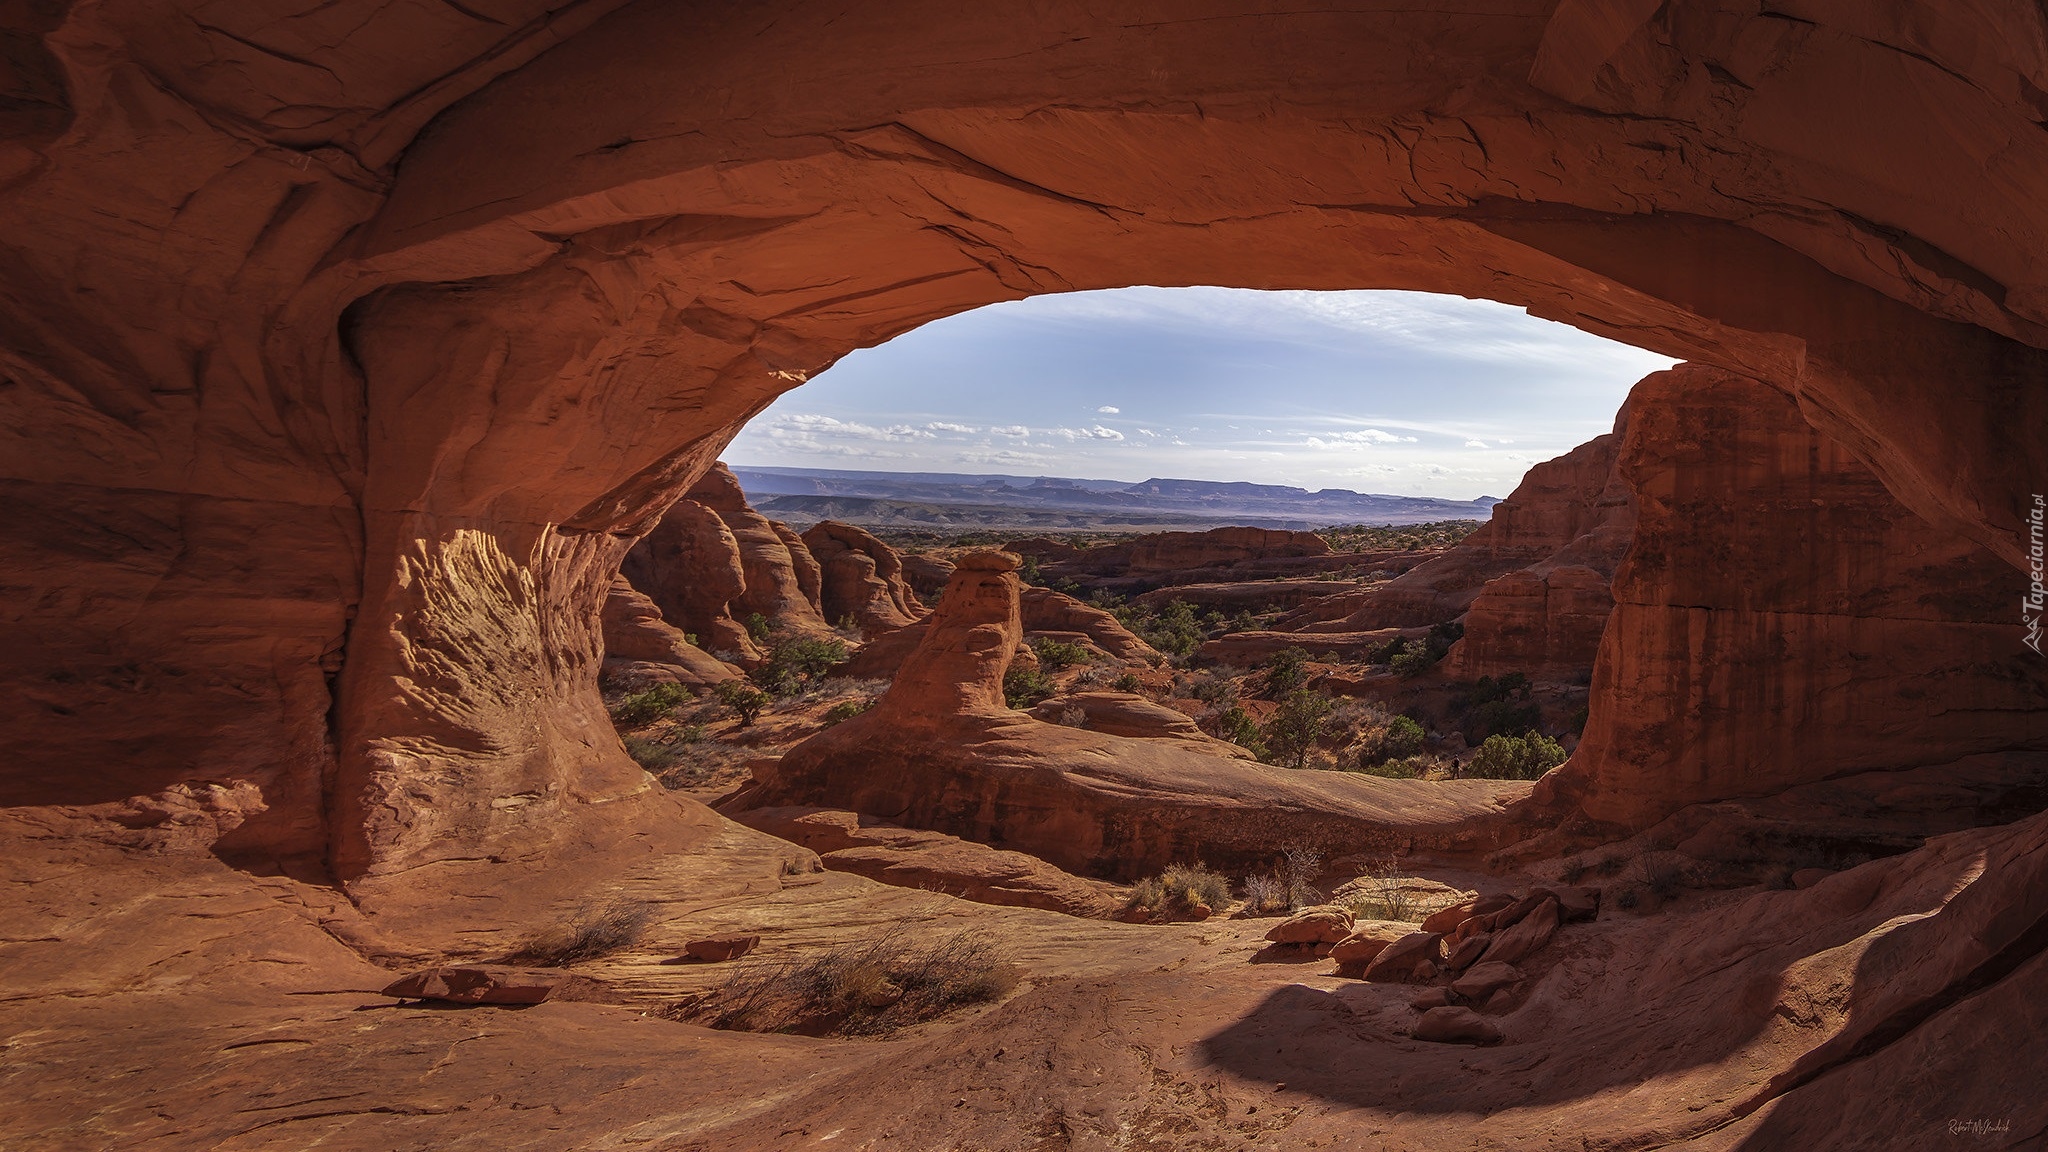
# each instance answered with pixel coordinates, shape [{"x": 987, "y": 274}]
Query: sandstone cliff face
[
  {"x": 1773, "y": 575},
  {"x": 690, "y": 567},
  {"x": 862, "y": 578}
]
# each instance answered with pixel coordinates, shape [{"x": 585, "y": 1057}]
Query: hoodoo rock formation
[
  {"x": 348, "y": 347},
  {"x": 781, "y": 580},
  {"x": 943, "y": 751},
  {"x": 862, "y": 578}
]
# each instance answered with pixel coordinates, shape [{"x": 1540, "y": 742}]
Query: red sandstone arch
[{"x": 328, "y": 429}]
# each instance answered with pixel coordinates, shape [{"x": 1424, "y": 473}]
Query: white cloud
[
  {"x": 1148, "y": 432},
  {"x": 1109, "y": 410},
  {"x": 944, "y": 426},
  {"x": 1017, "y": 431},
  {"x": 1475, "y": 443},
  {"x": 1004, "y": 458},
  {"x": 1098, "y": 432}
]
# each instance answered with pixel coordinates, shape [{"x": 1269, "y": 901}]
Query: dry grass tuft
[
  {"x": 592, "y": 930},
  {"x": 1179, "y": 891},
  {"x": 865, "y": 988}
]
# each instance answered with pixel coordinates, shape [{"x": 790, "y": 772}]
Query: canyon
[{"x": 365, "y": 370}]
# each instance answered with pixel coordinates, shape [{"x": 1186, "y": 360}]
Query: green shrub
[
  {"x": 1054, "y": 655},
  {"x": 643, "y": 708},
  {"x": 1502, "y": 717},
  {"x": 1418, "y": 656},
  {"x": 1023, "y": 687},
  {"x": 1400, "y": 739},
  {"x": 654, "y": 755},
  {"x": 743, "y": 698},
  {"x": 1290, "y": 734},
  {"x": 846, "y": 710},
  {"x": 1181, "y": 891},
  {"x": 1173, "y": 629},
  {"x": 1285, "y": 671},
  {"x": 1128, "y": 682},
  {"x": 1403, "y": 768},
  {"x": 798, "y": 662},
  {"x": 1523, "y": 757},
  {"x": 1237, "y": 726},
  {"x": 758, "y": 626}
]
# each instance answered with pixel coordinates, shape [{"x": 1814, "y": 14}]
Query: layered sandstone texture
[
  {"x": 862, "y": 578},
  {"x": 943, "y": 751},
  {"x": 1773, "y": 575},
  {"x": 713, "y": 562}
]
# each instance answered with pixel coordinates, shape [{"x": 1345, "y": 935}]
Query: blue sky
[{"x": 1397, "y": 392}]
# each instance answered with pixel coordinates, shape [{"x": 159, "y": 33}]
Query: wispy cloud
[{"x": 1109, "y": 410}]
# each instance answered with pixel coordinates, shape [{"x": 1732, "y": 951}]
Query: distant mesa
[{"x": 963, "y": 500}]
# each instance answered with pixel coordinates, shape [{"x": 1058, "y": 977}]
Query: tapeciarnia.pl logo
[{"x": 2037, "y": 563}]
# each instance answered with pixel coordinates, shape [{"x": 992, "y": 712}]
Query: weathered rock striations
[
  {"x": 1773, "y": 576},
  {"x": 862, "y": 578},
  {"x": 780, "y": 578}
]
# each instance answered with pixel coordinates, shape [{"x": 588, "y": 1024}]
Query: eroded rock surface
[{"x": 942, "y": 746}]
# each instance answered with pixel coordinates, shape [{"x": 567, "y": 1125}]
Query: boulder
[
  {"x": 1463, "y": 953},
  {"x": 1448, "y": 919},
  {"x": 494, "y": 984},
  {"x": 1366, "y": 940},
  {"x": 1430, "y": 998},
  {"x": 1454, "y": 1025},
  {"x": 689, "y": 566},
  {"x": 909, "y": 858},
  {"x": 1524, "y": 936},
  {"x": 1413, "y": 959},
  {"x": 714, "y": 949},
  {"x": 1574, "y": 902},
  {"x": 1045, "y": 610},
  {"x": 1126, "y": 714},
  {"x": 1482, "y": 980},
  {"x": 926, "y": 574},
  {"x": 1319, "y": 924}
]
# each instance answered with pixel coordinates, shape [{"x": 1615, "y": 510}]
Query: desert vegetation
[{"x": 868, "y": 987}]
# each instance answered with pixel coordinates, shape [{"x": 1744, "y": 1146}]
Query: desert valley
[{"x": 418, "y": 738}]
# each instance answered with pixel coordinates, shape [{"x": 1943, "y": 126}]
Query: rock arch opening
[{"x": 348, "y": 351}]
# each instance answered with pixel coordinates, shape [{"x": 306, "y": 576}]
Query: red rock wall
[
  {"x": 1782, "y": 619},
  {"x": 315, "y": 459},
  {"x": 862, "y": 578}
]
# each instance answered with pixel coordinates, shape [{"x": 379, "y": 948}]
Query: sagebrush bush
[
  {"x": 866, "y": 988},
  {"x": 846, "y": 710},
  {"x": 1054, "y": 655},
  {"x": 656, "y": 756},
  {"x": 591, "y": 930},
  {"x": 643, "y": 708},
  {"x": 743, "y": 698},
  {"x": 1023, "y": 687},
  {"x": 1180, "y": 891},
  {"x": 1523, "y": 757}
]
